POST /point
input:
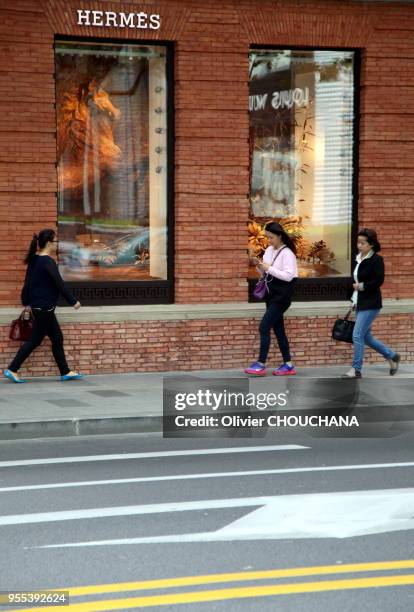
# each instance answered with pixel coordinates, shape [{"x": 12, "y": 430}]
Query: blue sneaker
[
  {"x": 8, "y": 374},
  {"x": 256, "y": 368},
  {"x": 71, "y": 377},
  {"x": 284, "y": 370}
]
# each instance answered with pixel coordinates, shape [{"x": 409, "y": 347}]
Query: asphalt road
[{"x": 307, "y": 523}]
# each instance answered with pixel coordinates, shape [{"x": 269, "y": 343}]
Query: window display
[
  {"x": 111, "y": 106},
  {"x": 301, "y": 109}
]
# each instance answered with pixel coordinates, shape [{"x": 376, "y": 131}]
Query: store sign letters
[
  {"x": 118, "y": 20},
  {"x": 280, "y": 99}
]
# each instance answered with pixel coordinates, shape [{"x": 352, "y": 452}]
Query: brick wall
[
  {"x": 211, "y": 67},
  {"x": 214, "y": 343},
  {"x": 211, "y": 128}
]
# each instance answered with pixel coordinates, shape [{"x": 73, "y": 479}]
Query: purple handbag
[{"x": 261, "y": 289}]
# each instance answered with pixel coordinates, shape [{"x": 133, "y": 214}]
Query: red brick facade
[
  {"x": 212, "y": 40},
  {"x": 201, "y": 344}
]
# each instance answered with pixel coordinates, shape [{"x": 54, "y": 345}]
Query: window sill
[{"x": 176, "y": 312}]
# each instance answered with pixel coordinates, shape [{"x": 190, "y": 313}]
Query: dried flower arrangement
[{"x": 311, "y": 252}]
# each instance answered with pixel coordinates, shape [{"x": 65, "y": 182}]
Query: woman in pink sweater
[{"x": 279, "y": 263}]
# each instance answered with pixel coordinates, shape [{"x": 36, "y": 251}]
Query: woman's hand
[
  {"x": 260, "y": 264},
  {"x": 77, "y": 305}
]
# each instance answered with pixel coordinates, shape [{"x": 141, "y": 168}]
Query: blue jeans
[{"x": 363, "y": 336}]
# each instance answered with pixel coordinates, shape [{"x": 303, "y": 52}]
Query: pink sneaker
[
  {"x": 256, "y": 368},
  {"x": 284, "y": 370}
]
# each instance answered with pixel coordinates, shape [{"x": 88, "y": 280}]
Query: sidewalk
[{"x": 121, "y": 403}]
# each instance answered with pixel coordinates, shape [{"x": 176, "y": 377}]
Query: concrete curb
[{"x": 54, "y": 428}]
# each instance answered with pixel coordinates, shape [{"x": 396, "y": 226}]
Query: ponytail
[
  {"x": 289, "y": 242},
  {"x": 39, "y": 240},
  {"x": 275, "y": 228},
  {"x": 32, "y": 250}
]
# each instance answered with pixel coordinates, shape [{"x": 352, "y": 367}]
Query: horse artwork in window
[{"x": 86, "y": 147}]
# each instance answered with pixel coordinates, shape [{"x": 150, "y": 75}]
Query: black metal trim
[
  {"x": 116, "y": 293},
  {"x": 325, "y": 286},
  {"x": 315, "y": 289},
  {"x": 99, "y": 293},
  {"x": 171, "y": 167}
]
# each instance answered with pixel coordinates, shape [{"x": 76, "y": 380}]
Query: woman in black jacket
[
  {"x": 42, "y": 287},
  {"x": 367, "y": 300}
]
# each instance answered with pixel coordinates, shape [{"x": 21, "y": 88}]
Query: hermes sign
[{"x": 110, "y": 19}]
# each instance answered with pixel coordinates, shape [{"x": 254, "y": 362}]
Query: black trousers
[
  {"x": 273, "y": 319},
  {"x": 45, "y": 324}
]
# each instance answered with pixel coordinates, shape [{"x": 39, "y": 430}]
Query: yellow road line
[
  {"x": 233, "y": 593},
  {"x": 294, "y": 572}
]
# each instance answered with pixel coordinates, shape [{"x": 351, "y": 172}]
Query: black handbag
[{"x": 343, "y": 329}]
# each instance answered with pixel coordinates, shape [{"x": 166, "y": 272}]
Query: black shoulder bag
[{"x": 343, "y": 328}]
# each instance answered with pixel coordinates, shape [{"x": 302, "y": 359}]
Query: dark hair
[
  {"x": 39, "y": 240},
  {"x": 371, "y": 236},
  {"x": 275, "y": 228}
]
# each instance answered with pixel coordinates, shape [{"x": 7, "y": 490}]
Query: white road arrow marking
[{"x": 320, "y": 515}]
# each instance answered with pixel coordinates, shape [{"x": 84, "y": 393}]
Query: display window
[
  {"x": 301, "y": 110},
  {"x": 112, "y": 163}
]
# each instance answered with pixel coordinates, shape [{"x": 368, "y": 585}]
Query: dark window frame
[
  {"x": 330, "y": 287},
  {"x": 104, "y": 293}
]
